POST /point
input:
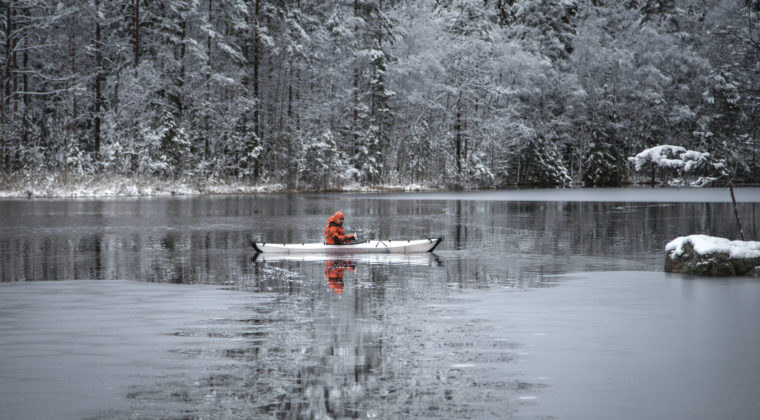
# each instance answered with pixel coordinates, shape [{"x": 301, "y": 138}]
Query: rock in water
[{"x": 711, "y": 256}]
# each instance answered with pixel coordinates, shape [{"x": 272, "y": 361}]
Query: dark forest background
[{"x": 321, "y": 94}]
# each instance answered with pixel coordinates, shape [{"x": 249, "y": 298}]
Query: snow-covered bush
[
  {"x": 76, "y": 161},
  {"x": 150, "y": 160},
  {"x": 164, "y": 150},
  {"x": 114, "y": 158},
  {"x": 478, "y": 173}
]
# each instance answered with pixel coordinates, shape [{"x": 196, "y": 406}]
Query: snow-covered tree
[
  {"x": 368, "y": 157},
  {"x": 681, "y": 162},
  {"x": 542, "y": 164},
  {"x": 245, "y": 151},
  {"x": 604, "y": 163},
  {"x": 323, "y": 166},
  {"x": 468, "y": 93}
]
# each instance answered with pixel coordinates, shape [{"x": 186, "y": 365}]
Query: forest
[{"x": 317, "y": 95}]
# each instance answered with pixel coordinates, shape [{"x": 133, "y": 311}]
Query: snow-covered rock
[{"x": 709, "y": 255}]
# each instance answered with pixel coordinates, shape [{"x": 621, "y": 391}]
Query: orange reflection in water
[{"x": 334, "y": 272}]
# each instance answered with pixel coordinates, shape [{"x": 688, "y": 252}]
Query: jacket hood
[{"x": 335, "y": 218}]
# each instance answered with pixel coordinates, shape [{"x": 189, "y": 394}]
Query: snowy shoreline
[
  {"x": 53, "y": 187},
  {"x": 123, "y": 187}
]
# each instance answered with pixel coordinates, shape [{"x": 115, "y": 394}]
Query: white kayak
[
  {"x": 415, "y": 259},
  {"x": 366, "y": 247}
]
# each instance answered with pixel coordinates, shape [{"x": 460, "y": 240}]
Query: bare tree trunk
[
  {"x": 13, "y": 74},
  {"x": 292, "y": 167},
  {"x": 25, "y": 98},
  {"x": 458, "y": 135},
  {"x": 6, "y": 87},
  {"x": 181, "y": 80},
  {"x": 356, "y": 83},
  {"x": 116, "y": 93},
  {"x": 136, "y": 34},
  {"x": 206, "y": 149},
  {"x": 73, "y": 64},
  {"x": 290, "y": 95},
  {"x": 256, "y": 58},
  {"x": 298, "y": 101},
  {"x": 736, "y": 209},
  {"x": 98, "y": 78}
]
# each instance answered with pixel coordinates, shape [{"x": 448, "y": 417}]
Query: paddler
[{"x": 334, "y": 234}]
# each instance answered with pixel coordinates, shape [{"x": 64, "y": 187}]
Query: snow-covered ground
[
  {"x": 118, "y": 186},
  {"x": 56, "y": 187},
  {"x": 706, "y": 245}
]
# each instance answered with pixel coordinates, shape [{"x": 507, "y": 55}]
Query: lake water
[{"x": 538, "y": 304}]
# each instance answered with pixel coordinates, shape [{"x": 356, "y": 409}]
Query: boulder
[{"x": 711, "y": 256}]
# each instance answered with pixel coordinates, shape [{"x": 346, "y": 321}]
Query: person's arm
[{"x": 339, "y": 235}]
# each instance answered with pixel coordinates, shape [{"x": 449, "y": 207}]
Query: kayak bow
[{"x": 366, "y": 247}]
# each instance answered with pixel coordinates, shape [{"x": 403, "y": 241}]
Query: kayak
[
  {"x": 414, "y": 259},
  {"x": 366, "y": 247}
]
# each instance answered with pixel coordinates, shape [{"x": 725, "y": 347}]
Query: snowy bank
[
  {"x": 708, "y": 255},
  {"x": 118, "y": 186},
  {"x": 60, "y": 186}
]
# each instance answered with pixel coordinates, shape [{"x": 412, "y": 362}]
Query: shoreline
[
  {"x": 51, "y": 187},
  {"x": 124, "y": 187}
]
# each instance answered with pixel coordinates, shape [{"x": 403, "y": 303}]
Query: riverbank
[
  {"x": 121, "y": 186},
  {"x": 62, "y": 186}
]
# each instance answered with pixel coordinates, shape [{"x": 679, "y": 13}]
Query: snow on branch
[
  {"x": 664, "y": 156},
  {"x": 681, "y": 160}
]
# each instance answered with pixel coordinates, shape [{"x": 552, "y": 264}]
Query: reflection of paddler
[{"x": 334, "y": 271}]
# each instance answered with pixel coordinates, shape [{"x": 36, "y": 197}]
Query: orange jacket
[{"x": 334, "y": 234}]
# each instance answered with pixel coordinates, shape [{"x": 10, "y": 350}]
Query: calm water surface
[{"x": 529, "y": 309}]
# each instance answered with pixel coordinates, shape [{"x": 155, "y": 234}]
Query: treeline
[{"x": 319, "y": 94}]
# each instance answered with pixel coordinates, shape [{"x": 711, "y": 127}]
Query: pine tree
[
  {"x": 604, "y": 164},
  {"x": 322, "y": 165},
  {"x": 541, "y": 164},
  {"x": 174, "y": 146}
]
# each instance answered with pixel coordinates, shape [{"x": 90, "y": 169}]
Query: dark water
[{"x": 189, "y": 325}]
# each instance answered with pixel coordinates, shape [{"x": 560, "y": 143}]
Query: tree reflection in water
[{"x": 387, "y": 343}]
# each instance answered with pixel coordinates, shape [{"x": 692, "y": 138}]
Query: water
[{"x": 529, "y": 309}]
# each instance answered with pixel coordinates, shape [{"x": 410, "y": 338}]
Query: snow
[
  {"x": 668, "y": 156},
  {"x": 53, "y": 187},
  {"x": 58, "y": 187},
  {"x": 706, "y": 245}
]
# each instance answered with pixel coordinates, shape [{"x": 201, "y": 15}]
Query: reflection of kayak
[
  {"x": 424, "y": 258},
  {"x": 366, "y": 247}
]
